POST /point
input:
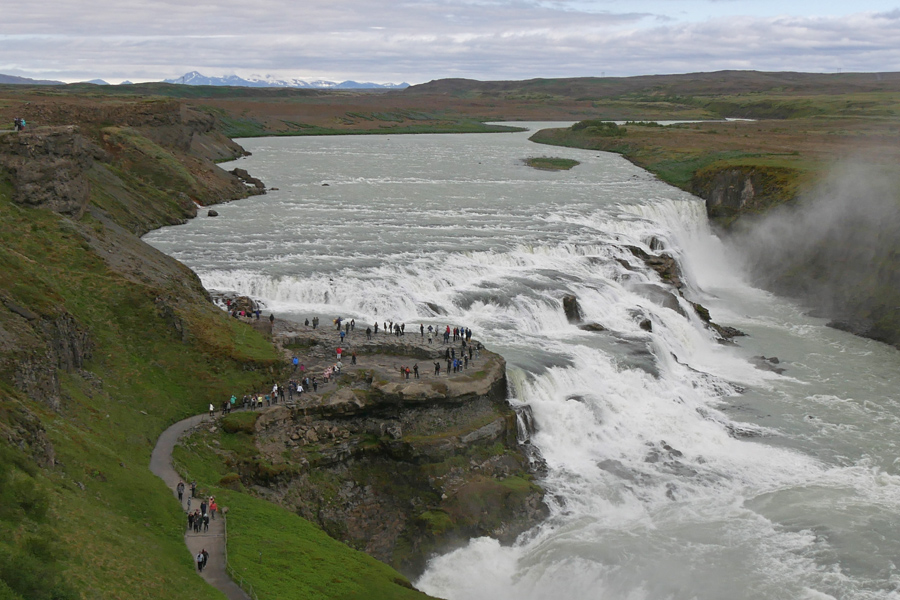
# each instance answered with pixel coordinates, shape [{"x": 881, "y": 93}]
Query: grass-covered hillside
[{"x": 104, "y": 342}]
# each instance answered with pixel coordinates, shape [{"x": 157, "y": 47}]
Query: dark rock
[
  {"x": 434, "y": 308},
  {"x": 726, "y": 332},
  {"x": 659, "y": 294},
  {"x": 702, "y": 312},
  {"x": 67, "y": 347},
  {"x": 48, "y": 168},
  {"x": 646, "y": 325},
  {"x": 767, "y": 364},
  {"x": 737, "y": 190},
  {"x": 20, "y": 310},
  {"x": 256, "y": 186},
  {"x": 212, "y": 213},
  {"x": 664, "y": 264},
  {"x": 571, "y": 308},
  {"x": 592, "y": 327}
]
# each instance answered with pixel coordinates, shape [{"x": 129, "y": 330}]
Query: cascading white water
[{"x": 676, "y": 468}]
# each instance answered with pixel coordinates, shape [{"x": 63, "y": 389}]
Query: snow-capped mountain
[{"x": 195, "y": 78}]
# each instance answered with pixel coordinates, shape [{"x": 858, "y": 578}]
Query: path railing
[{"x": 232, "y": 572}]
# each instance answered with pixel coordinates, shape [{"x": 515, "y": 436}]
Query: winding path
[{"x": 214, "y": 539}]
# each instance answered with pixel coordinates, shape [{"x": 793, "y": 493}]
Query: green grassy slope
[{"x": 104, "y": 342}]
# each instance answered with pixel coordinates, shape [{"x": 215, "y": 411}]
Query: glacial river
[{"x": 677, "y": 467}]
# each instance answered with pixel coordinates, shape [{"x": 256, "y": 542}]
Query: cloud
[{"x": 419, "y": 41}]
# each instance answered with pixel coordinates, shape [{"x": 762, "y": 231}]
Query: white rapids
[{"x": 676, "y": 468}]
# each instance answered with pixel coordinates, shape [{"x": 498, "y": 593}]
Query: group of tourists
[
  {"x": 233, "y": 309},
  {"x": 198, "y": 519},
  {"x": 457, "y": 360},
  {"x": 19, "y": 124},
  {"x": 404, "y": 371}
]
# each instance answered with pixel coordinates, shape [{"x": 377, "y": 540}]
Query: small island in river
[{"x": 545, "y": 163}]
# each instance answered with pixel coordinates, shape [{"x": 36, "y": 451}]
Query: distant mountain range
[
  {"x": 24, "y": 80},
  {"x": 195, "y": 78}
]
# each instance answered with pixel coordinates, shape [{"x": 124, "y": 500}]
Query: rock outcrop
[
  {"x": 733, "y": 191},
  {"x": 48, "y": 168},
  {"x": 400, "y": 468}
]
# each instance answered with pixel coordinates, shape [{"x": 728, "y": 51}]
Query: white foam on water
[{"x": 663, "y": 481}]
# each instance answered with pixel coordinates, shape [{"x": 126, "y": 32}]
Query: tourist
[
  {"x": 416, "y": 370},
  {"x": 437, "y": 369},
  {"x": 200, "y": 558},
  {"x": 369, "y": 331},
  {"x": 179, "y": 489}
]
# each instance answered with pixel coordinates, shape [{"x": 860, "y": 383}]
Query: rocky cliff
[
  {"x": 400, "y": 468},
  {"x": 733, "y": 191}
]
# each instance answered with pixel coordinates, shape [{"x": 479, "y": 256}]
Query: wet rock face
[
  {"x": 664, "y": 264},
  {"x": 255, "y": 185},
  {"x": 48, "y": 168},
  {"x": 572, "y": 309}
]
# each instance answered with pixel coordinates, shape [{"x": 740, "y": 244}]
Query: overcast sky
[{"x": 417, "y": 41}]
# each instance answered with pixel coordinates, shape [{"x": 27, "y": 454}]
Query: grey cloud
[{"x": 418, "y": 41}]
